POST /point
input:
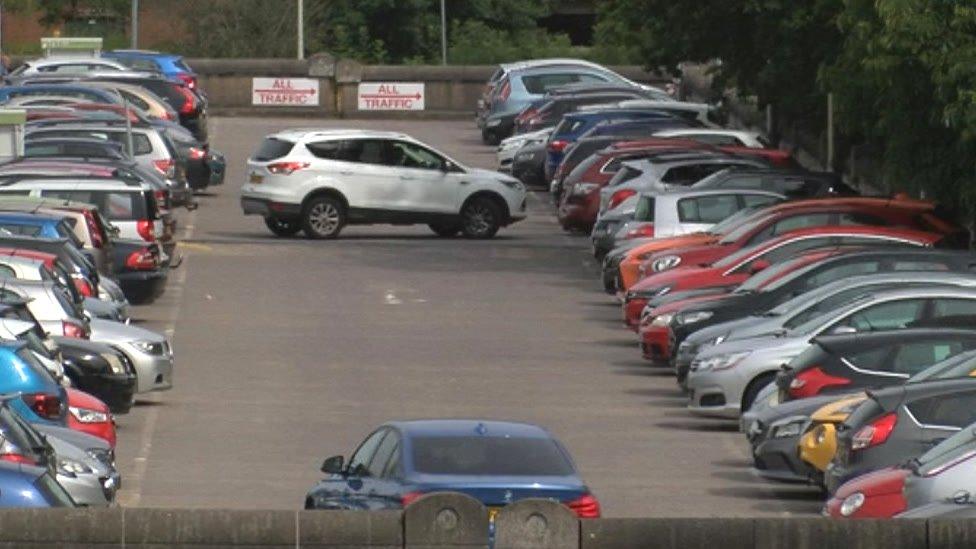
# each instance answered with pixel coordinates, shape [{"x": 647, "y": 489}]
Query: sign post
[
  {"x": 391, "y": 96},
  {"x": 285, "y": 92}
]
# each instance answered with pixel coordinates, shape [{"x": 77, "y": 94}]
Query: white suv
[{"x": 320, "y": 180}]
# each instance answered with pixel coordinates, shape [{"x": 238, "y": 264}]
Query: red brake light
[
  {"x": 46, "y": 406},
  {"x": 142, "y": 260},
  {"x": 189, "y": 80},
  {"x": 619, "y": 197},
  {"x": 644, "y": 230},
  {"x": 410, "y": 497},
  {"x": 72, "y": 329},
  {"x": 189, "y": 100},
  {"x": 197, "y": 154},
  {"x": 286, "y": 168},
  {"x": 810, "y": 382},
  {"x": 17, "y": 458},
  {"x": 525, "y": 115},
  {"x": 93, "y": 230},
  {"x": 84, "y": 287},
  {"x": 146, "y": 230},
  {"x": 505, "y": 91},
  {"x": 586, "y": 506},
  {"x": 166, "y": 167},
  {"x": 557, "y": 145},
  {"x": 877, "y": 432}
]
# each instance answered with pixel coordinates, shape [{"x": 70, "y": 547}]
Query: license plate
[{"x": 256, "y": 178}]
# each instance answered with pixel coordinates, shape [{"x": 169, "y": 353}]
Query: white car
[
  {"x": 67, "y": 65},
  {"x": 319, "y": 180},
  {"x": 719, "y": 137},
  {"x": 510, "y": 146}
]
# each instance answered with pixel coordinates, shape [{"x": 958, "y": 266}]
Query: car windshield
[
  {"x": 745, "y": 229},
  {"x": 958, "y": 447},
  {"x": 736, "y": 257},
  {"x": 762, "y": 278},
  {"x": 732, "y": 221},
  {"x": 479, "y": 455},
  {"x": 812, "y": 318},
  {"x": 961, "y": 365}
]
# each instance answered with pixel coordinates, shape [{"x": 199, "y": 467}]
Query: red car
[
  {"x": 735, "y": 268},
  {"x": 90, "y": 415},
  {"x": 878, "y": 494},
  {"x": 777, "y": 220}
]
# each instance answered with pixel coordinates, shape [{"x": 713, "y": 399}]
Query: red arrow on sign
[
  {"x": 310, "y": 90},
  {"x": 389, "y": 96}
]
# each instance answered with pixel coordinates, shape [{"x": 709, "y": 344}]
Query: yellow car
[{"x": 819, "y": 442}]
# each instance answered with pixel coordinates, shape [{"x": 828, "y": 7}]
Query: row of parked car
[
  {"x": 838, "y": 329},
  {"x": 112, "y": 146}
]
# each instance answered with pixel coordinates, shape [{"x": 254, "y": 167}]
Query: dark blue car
[
  {"x": 574, "y": 125},
  {"x": 493, "y": 461},
  {"x": 29, "y": 486}
]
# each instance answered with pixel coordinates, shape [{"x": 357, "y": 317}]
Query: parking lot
[{"x": 291, "y": 350}]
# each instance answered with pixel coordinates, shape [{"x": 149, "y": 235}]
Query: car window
[
  {"x": 918, "y": 265},
  {"x": 272, "y": 148},
  {"x": 872, "y": 359},
  {"x": 623, "y": 175},
  {"x": 538, "y": 84},
  {"x": 758, "y": 200},
  {"x": 684, "y": 175},
  {"x": 368, "y": 151},
  {"x": 838, "y": 272},
  {"x": 140, "y": 142},
  {"x": 644, "y": 211},
  {"x": 377, "y": 465},
  {"x": 328, "y": 150},
  {"x": 114, "y": 205},
  {"x": 707, "y": 209},
  {"x": 800, "y": 222},
  {"x": 479, "y": 455},
  {"x": 955, "y": 410},
  {"x": 911, "y": 358},
  {"x": 359, "y": 461},
  {"x": 953, "y": 307},
  {"x": 7, "y": 271},
  {"x": 886, "y": 316},
  {"x": 141, "y": 64},
  {"x": 858, "y": 218},
  {"x": 134, "y": 99},
  {"x": 714, "y": 139},
  {"x": 793, "y": 248},
  {"x": 793, "y": 187},
  {"x": 23, "y": 230},
  {"x": 411, "y": 155},
  {"x": 743, "y": 182}
]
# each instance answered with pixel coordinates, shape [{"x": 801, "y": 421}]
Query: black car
[
  {"x": 842, "y": 363},
  {"x": 99, "y": 370},
  {"x": 528, "y": 164},
  {"x": 551, "y": 112},
  {"x": 139, "y": 270},
  {"x": 191, "y": 107},
  {"x": 792, "y": 183},
  {"x": 755, "y": 297},
  {"x": 72, "y": 147},
  {"x": 897, "y": 424}
]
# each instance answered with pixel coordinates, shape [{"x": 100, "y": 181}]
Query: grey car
[
  {"x": 726, "y": 378},
  {"x": 150, "y": 353},
  {"x": 95, "y": 454},
  {"x": 945, "y": 473},
  {"x": 900, "y": 423}
]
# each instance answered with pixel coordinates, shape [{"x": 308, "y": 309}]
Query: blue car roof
[
  {"x": 145, "y": 54},
  {"x": 467, "y": 427},
  {"x": 29, "y": 218}
]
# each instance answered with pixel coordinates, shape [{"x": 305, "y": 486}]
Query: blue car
[
  {"x": 83, "y": 93},
  {"x": 493, "y": 461},
  {"x": 574, "y": 125},
  {"x": 42, "y": 399},
  {"x": 38, "y": 225},
  {"x": 29, "y": 486},
  {"x": 170, "y": 65}
]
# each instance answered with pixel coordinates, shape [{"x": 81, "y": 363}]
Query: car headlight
[
  {"x": 851, "y": 504},
  {"x": 665, "y": 263},
  {"x": 492, "y": 122},
  {"x": 155, "y": 348},
  {"x": 70, "y": 467},
  {"x": 722, "y": 362},
  {"x": 693, "y": 317},
  {"x": 662, "y": 320},
  {"x": 788, "y": 429},
  {"x": 85, "y": 415}
]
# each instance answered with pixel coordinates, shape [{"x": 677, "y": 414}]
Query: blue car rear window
[{"x": 479, "y": 455}]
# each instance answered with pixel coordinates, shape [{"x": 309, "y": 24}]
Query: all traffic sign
[
  {"x": 285, "y": 92},
  {"x": 391, "y": 96}
]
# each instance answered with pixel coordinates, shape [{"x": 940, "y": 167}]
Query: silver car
[
  {"x": 510, "y": 146},
  {"x": 944, "y": 473},
  {"x": 150, "y": 353},
  {"x": 726, "y": 378},
  {"x": 96, "y": 455}
]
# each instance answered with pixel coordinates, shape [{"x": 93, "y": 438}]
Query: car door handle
[
  {"x": 463, "y": 182},
  {"x": 345, "y": 172},
  {"x": 406, "y": 177}
]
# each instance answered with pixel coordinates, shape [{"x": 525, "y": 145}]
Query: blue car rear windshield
[{"x": 478, "y": 455}]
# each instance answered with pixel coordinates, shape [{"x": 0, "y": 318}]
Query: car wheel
[
  {"x": 480, "y": 218},
  {"x": 323, "y": 218},
  {"x": 752, "y": 391},
  {"x": 445, "y": 230},
  {"x": 490, "y": 137},
  {"x": 282, "y": 227}
]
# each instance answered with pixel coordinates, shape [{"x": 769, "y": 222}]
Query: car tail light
[
  {"x": 84, "y": 287},
  {"x": 93, "y": 230},
  {"x": 286, "y": 168},
  {"x": 11, "y": 453},
  {"x": 46, "y": 406},
  {"x": 75, "y": 330},
  {"x": 189, "y": 100},
  {"x": 410, "y": 497},
  {"x": 166, "y": 167},
  {"x": 505, "y": 91},
  {"x": 586, "y": 506},
  {"x": 877, "y": 432},
  {"x": 642, "y": 231},
  {"x": 142, "y": 260},
  {"x": 189, "y": 80},
  {"x": 619, "y": 196},
  {"x": 197, "y": 154},
  {"x": 810, "y": 382},
  {"x": 526, "y": 115},
  {"x": 146, "y": 230},
  {"x": 557, "y": 145}
]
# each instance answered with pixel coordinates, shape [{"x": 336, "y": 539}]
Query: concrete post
[
  {"x": 446, "y": 519},
  {"x": 536, "y": 524}
]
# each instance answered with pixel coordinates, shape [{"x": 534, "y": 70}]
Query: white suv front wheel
[
  {"x": 323, "y": 217},
  {"x": 481, "y": 218}
]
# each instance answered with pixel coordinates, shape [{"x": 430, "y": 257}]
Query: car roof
[
  {"x": 690, "y": 193},
  {"x": 36, "y": 218},
  {"x": 711, "y": 131},
  {"x": 298, "y": 134},
  {"x": 468, "y": 427}
]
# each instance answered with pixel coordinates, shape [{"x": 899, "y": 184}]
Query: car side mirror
[
  {"x": 448, "y": 166},
  {"x": 758, "y": 265},
  {"x": 843, "y": 330},
  {"x": 334, "y": 465}
]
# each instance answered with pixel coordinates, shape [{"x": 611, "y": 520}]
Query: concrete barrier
[
  {"x": 679, "y": 533},
  {"x": 536, "y": 524},
  {"x": 445, "y": 519}
]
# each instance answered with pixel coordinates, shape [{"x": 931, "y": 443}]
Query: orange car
[{"x": 775, "y": 220}]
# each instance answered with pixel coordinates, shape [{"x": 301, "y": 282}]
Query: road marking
[{"x": 131, "y": 498}]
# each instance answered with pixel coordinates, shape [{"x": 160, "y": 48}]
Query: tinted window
[
  {"x": 329, "y": 150},
  {"x": 800, "y": 222},
  {"x": 953, "y": 307},
  {"x": 369, "y": 151},
  {"x": 707, "y": 209},
  {"x": 360, "y": 459},
  {"x": 644, "y": 211},
  {"x": 685, "y": 175},
  {"x": 409, "y": 155},
  {"x": 713, "y": 139},
  {"x": 744, "y": 182},
  {"x": 272, "y": 148},
  {"x": 918, "y": 265},
  {"x": 793, "y": 248},
  {"x": 956, "y": 410},
  {"x": 624, "y": 175},
  {"x": 838, "y": 272},
  {"x": 489, "y": 456},
  {"x": 872, "y": 359},
  {"x": 856, "y": 218},
  {"x": 25, "y": 230},
  {"x": 377, "y": 465},
  {"x": 7, "y": 272},
  {"x": 886, "y": 316},
  {"x": 538, "y": 84},
  {"x": 911, "y": 358},
  {"x": 134, "y": 99},
  {"x": 140, "y": 142},
  {"x": 758, "y": 200},
  {"x": 114, "y": 205}
]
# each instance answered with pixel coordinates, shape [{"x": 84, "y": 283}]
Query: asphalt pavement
[{"x": 289, "y": 351}]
